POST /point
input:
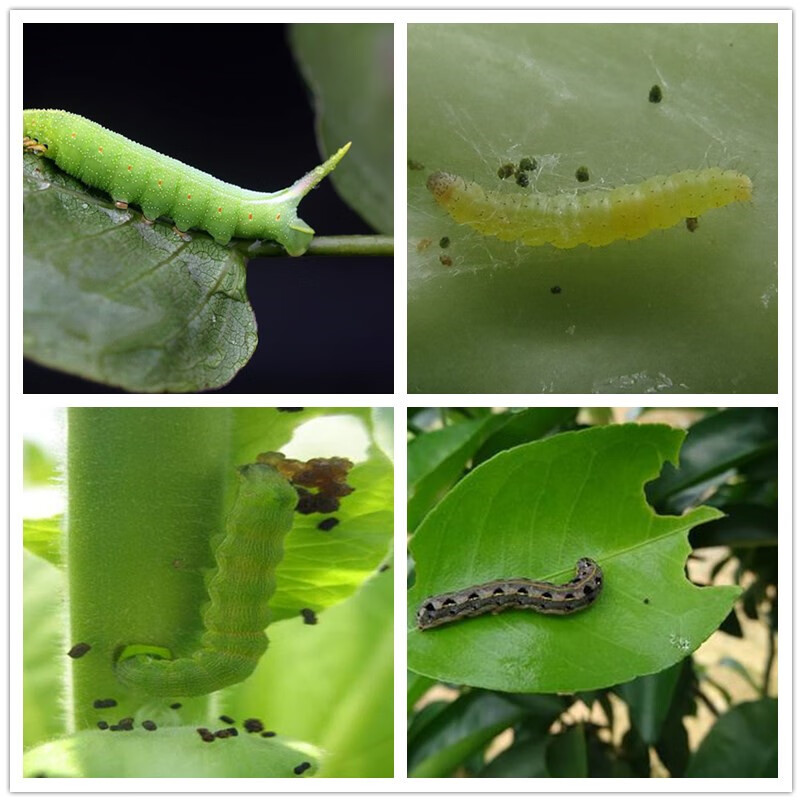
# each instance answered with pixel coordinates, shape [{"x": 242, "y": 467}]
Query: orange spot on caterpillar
[
  {"x": 100, "y": 150},
  {"x": 250, "y": 216},
  {"x": 130, "y": 167},
  {"x": 189, "y": 197},
  {"x": 594, "y": 218},
  {"x": 219, "y": 209},
  {"x": 73, "y": 135},
  {"x": 278, "y": 217},
  {"x": 160, "y": 182}
]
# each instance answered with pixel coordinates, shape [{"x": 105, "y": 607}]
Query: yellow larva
[{"x": 593, "y": 218}]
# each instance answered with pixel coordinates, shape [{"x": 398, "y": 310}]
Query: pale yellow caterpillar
[{"x": 594, "y": 218}]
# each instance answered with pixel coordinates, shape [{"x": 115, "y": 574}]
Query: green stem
[
  {"x": 147, "y": 489},
  {"x": 347, "y": 245}
]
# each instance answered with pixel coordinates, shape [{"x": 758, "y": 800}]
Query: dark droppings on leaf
[
  {"x": 383, "y": 567},
  {"x": 253, "y": 725},
  {"x": 175, "y": 706},
  {"x": 522, "y": 179},
  {"x": 327, "y": 524},
  {"x": 228, "y": 732},
  {"x": 227, "y": 719},
  {"x": 691, "y": 223},
  {"x": 646, "y": 601},
  {"x": 79, "y": 650},
  {"x": 149, "y": 725},
  {"x": 446, "y": 260},
  {"x": 205, "y": 734},
  {"x": 582, "y": 174},
  {"x": 115, "y": 728},
  {"x": 506, "y": 170},
  {"x": 126, "y": 723},
  {"x": 290, "y": 409},
  {"x": 268, "y": 734},
  {"x": 527, "y": 164},
  {"x": 99, "y": 704},
  {"x": 556, "y": 289},
  {"x": 445, "y": 242},
  {"x": 309, "y": 616},
  {"x": 302, "y": 767},
  {"x": 413, "y": 164},
  {"x": 103, "y": 725},
  {"x": 655, "y": 94}
]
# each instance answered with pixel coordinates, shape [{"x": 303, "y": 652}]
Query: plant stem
[
  {"x": 147, "y": 490},
  {"x": 348, "y": 245}
]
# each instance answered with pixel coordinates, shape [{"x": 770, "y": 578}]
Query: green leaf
[
  {"x": 742, "y": 743},
  {"x": 639, "y": 316},
  {"x": 567, "y": 754},
  {"x": 435, "y": 460},
  {"x": 332, "y": 684},
  {"x": 417, "y": 685},
  {"x": 523, "y": 427},
  {"x": 117, "y": 301},
  {"x": 532, "y": 512},
  {"x": 43, "y": 650},
  {"x": 349, "y": 69},
  {"x": 649, "y": 699},
  {"x": 167, "y": 752},
  {"x": 525, "y": 758},
  {"x": 321, "y": 568},
  {"x": 746, "y": 526},
  {"x": 42, "y": 537},
  {"x": 39, "y": 467},
  {"x": 458, "y": 730},
  {"x": 716, "y": 444}
]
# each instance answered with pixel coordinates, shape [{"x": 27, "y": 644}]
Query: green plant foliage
[
  {"x": 742, "y": 743},
  {"x": 112, "y": 299},
  {"x": 43, "y": 538},
  {"x": 337, "y": 691},
  {"x": 533, "y": 511},
  {"x": 43, "y": 650},
  {"x": 435, "y": 460},
  {"x": 640, "y": 316},
  {"x": 39, "y": 467},
  {"x": 147, "y": 491},
  {"x": 168, "y": 752},
  {"x": 457, "y": 730},
  {"x": 349, "y": 69}
]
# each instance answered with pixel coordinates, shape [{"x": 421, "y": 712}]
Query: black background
[{"x": 229, "y": 100}]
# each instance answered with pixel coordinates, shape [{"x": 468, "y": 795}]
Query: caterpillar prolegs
[
  {"x": 514, "y": 594},
  {"x": 594, "y": 218},
  {"x": 239, "y": 589}
]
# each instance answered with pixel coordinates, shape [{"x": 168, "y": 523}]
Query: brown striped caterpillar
[
  {"x": 164, "y": 187},
  {"x": 514, "y": 594},
  {"x": 594, "y": 218},
  {"x": 239, "y": 589}
]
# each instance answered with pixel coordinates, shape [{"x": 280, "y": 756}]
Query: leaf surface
[
  {"x": 349, "y": 69},
  {"x": 115, "y": 300},
  {"x": 532, "y": 512}
]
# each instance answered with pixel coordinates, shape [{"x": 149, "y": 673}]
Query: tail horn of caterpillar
[
  {"x": 239, "y": 589},
  {"x": 514, "y": 594},
  {"x": 594, "y": 218},
  {"x": 164, "y": 187}
]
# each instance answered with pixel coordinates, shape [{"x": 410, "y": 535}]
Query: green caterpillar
[
  {"x": 239, "y": 589},
  {"x": 164, "y": 187}
]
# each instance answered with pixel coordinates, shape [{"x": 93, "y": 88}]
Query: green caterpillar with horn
[{"x": 163, "y": 187}]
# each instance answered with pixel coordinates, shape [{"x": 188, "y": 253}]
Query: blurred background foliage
[{"x": 713, "y": 714}]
